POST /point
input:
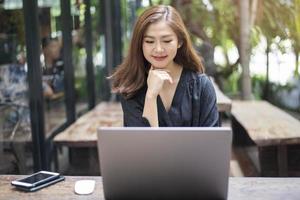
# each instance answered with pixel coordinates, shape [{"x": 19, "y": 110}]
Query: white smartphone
[
  {"x": 35, "y": 179},
  {"x": 42, "y": 185}
]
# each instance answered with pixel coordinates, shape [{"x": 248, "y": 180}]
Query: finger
[
  {"x": 170, "y": 80},
  {"x": 161, "y": 70},
  {"x": 162, "y": 74},
  {"x": 167, "y": 77}
]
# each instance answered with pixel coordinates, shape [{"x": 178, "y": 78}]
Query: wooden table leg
[{"x": 282, "y": 160}]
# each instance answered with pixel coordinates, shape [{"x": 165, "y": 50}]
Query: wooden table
[
  {"x": 239, "y": 189},
  {"x": 272, "y": 130},
  {"x": 266, "y": 124},
  {"x": 223, "y": 102}
]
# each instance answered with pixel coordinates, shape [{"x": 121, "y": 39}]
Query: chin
[{"x": 159, "y": 65}]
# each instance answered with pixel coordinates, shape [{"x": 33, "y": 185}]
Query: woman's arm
[
  {"x": 209, "y": 116},
  {"x": 150, "y": 110},
  {"x": 132, "y": 113},
  {"x": 155, "y": 81}
]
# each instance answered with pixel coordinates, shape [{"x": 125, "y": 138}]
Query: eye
[
  {"x": 167, "y": 41},
  {"x": 149, "y": 41}
]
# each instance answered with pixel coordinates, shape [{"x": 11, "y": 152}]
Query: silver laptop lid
[{"x": 165, "y": 163}]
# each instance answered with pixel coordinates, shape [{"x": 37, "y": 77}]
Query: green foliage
[
  {"x": 258, "y": 83},
  {"x": 230, "y": 85},
  {"x": 294, "y": 32},
  {"x": 139, "y": 11},
  {"x": 12, "y": 22},
  {"x": 81, "y": 88},
  {"x": 160, "y": 2},
  {"x": 275, "y": 89},
  {"x": 258, "y": 86},
  {"x": 256, "y": 34}
]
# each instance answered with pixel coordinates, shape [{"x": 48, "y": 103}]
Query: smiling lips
[{"x": 159, "y": 58}]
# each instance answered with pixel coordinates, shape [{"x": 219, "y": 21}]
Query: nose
[{"x": 158, "y": 48}]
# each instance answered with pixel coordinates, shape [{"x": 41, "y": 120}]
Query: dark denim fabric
[{"x": 194, "y": 104}]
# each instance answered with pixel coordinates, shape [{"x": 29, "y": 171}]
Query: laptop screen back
[{"x": 165, "y": 163}]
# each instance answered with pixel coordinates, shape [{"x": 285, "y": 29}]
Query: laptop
[{"x": 164, "y": 163}]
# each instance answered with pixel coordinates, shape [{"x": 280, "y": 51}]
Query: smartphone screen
[
  {"x": 35, "y": 179},
  {"x": 42, "y": 185}
]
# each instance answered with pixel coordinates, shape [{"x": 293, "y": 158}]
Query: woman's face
[{"x": 160, "y": 44}]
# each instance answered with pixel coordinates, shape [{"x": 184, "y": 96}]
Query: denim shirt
[{"x": 193, "y": 105}]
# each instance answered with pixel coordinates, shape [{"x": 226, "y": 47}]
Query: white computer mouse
[{"x": 84, "y": 186}]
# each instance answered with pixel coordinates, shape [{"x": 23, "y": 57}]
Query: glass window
[
  {"x": 79, "y": 55},
  {"x": 52, "y": 66},
  {"x": 15, "y": 126}
]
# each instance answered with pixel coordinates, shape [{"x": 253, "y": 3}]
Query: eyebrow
[{"x": 152, "y": 37}]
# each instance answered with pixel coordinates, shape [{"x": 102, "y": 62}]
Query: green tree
[
  {"x": 294, "y": 32},
  {"x": 271, "y": 23}
]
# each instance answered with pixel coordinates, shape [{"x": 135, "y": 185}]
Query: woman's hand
[{"x": 155, "y": 81}]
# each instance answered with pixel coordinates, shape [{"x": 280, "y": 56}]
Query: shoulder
[
  {"x": 199, "y": 84},
  {"x": 200, "y": 79},
  {"x": 137, "y": 98}
]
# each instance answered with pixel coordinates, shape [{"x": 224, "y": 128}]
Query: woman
[{"x": 162, "y": 80}]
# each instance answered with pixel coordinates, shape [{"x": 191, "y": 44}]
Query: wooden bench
[
  {"x": 275, "y": 133},
  {"x": 83, "y": 132}
]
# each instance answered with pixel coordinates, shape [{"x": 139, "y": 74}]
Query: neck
[{"x": 175, "y": 71}]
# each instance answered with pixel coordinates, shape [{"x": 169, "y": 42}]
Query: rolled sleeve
[{"x": 133, "y": 113}]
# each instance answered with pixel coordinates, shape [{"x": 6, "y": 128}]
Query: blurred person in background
[{"x": 52, "y": 65}]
